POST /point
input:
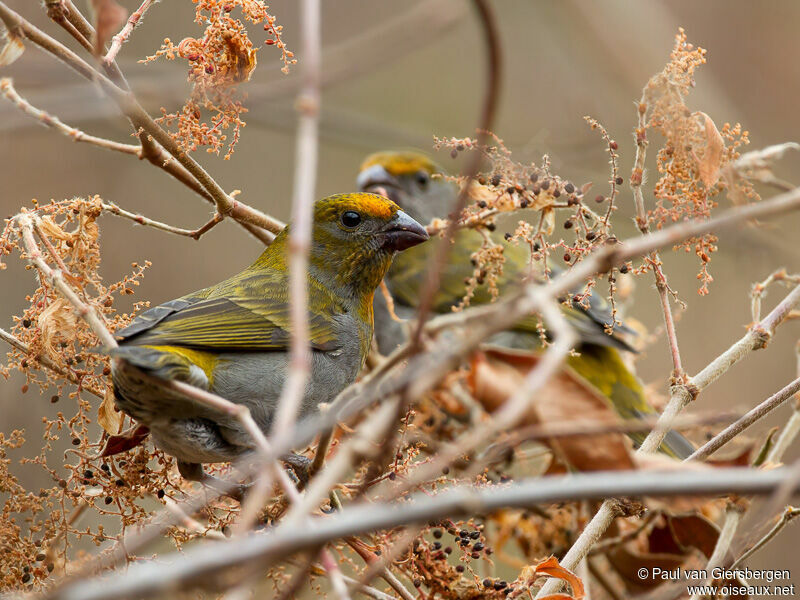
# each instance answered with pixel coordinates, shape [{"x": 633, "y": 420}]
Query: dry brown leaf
[
  {"x": 109, "y": 17},
  {"x": 673, "y": 543},
  {"x": 630, "y": 564},
  {"x": 125, "y": 441},
  {"x": 108, "y": 416},
  {"x": 709, "y": 165},
  {"x": 52, "y": 229},
  {"x": 566, "y": 400},
  {"x": 57, "y": 322},
  {"x": 12, "y": 49},
  {"x": 243, "y": 59}
]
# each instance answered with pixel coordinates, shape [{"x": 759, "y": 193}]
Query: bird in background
[
  {"x": 233, "y": 338},
  {"x": 410, "y": 179}
]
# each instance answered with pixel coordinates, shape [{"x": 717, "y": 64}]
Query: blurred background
[{"x": 394, "y": 75}]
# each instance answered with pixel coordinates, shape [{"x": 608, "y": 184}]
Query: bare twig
[
  {"x": 746, "y": 421},
  {"x": 142, "y": 220},
  {"x": 788, "y": 515},
  {"x": 637, "y": 178},
  {"x": 122, "y": 36},
  {"x": 787, "y": 435},
  {"x": 300, "y": 234},
  {"x": 733, "y": 516},
  {"x": 335, "y": 574},
  {"x": 7, "y": 89},
  {"x": 190, "y": 523}
]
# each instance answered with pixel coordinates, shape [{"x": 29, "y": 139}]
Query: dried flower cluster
[
  {"x": 219, "y": 61},
  {"x": 694, "y": 152}
]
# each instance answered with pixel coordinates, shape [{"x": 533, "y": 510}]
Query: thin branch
[
  {"x": 122, "y": 36},
  {"x": 59, "y": 12},
  {"x": 788, "y": 515},
  {"x": 733, "y": 516},
  {"x": 563, "y": 429},
  {"x": 305, "y": 177},
  {"x": 198, "y": 566},
  {"x": 335, "y": 575},
  {"x": 637, "y": 178},
  {"x": 7, "y": 90},
  {"x": 142, "y": 220},
  {"x": 737, "y": 427},
  {"x": 787, "y": 435}
]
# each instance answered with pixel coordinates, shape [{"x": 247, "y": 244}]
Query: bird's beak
[
  {"x": 374, "y": 177},
  {"x": 403, "y": 232}
]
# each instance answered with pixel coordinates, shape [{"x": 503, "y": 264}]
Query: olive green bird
[
  {"x": 408, "y": 179},
  {"x": 233, "y": 338}
]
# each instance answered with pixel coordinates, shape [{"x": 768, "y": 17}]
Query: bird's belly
[
  {"x": 195, "y": 433},
  {"x": 256, "y": 380}
]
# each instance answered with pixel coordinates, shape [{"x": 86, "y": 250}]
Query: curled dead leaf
[
  {"x": 108, "y": 416},
  {"x": 12, "y": 49},
  {"x": 550, "y": 567},
  {"x": 125, "y": 441},
  {"x": 51, "y": 229},
  {"x": 566, "y": 400},
  {"x": 708, "y": 166},
  {"x": 242, "y": 58},
  {"x": 674, "y": 541},
  {"x": 57, "y": 322}
]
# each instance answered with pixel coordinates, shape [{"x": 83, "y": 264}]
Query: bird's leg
[{"x": 195, "y": 472}]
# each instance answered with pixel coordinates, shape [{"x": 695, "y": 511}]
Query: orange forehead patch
[
  {"x": 371, "y": 205},
  {"x": 400, "y": 163}
]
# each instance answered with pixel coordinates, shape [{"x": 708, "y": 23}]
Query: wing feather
[{"x": 230, "y": 316}]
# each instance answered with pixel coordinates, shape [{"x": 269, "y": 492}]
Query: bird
[
  {"x": 416, "y": 183},
  {"x": 233, "y": 338}
]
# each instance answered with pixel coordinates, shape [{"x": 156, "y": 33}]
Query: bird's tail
[
  {"x": 140, "y": 396},
  {"x": 168, "y": 362}
]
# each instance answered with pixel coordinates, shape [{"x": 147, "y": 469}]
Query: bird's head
[
  {"x": 412, "y": 180},
  {"x": 355, "y": 237}
]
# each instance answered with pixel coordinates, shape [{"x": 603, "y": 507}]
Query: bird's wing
[{"x": 247, "y": 313}]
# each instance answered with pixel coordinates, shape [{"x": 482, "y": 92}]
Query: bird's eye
[
  {"x": 422, "y": 178},
  {"x": 351, "y": 218}
]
